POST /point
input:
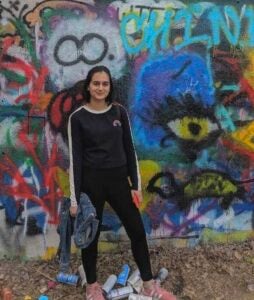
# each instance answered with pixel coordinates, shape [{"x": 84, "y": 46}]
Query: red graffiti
[
  {"x": 32, "y": 78},
  {"x": 20, "y": 189},
  {"x": 62, "y": 105},
  {"x": 238, "y": 148}
]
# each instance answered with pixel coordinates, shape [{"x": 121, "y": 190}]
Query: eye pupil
[{"x": 194, "y": 128}]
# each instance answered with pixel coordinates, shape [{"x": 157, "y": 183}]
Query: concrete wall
[{"x": 183, "y": 69}]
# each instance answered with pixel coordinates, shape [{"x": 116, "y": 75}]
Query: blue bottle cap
[{"x": 43, "y": 297}]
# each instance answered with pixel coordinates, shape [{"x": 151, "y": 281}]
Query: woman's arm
[
  {"x": 132, "y": 162},
  {"x": 75, "y": 154}
]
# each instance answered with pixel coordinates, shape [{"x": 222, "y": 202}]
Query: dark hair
[{"x": 89, "y": 76}]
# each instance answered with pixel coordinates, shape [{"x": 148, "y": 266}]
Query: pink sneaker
[
  {"x": 155, "y": 291},
  {"x": 94, "y": 292}
]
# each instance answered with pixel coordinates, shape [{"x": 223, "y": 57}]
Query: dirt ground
[{"x": 204, "y": 272}]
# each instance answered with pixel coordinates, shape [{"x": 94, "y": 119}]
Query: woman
[{"x": 103, "y": 163}]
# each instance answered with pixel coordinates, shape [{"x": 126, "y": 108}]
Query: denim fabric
[
  {"x": 84, "y": 228},
  {"x": 86, "y": 224},
  {"x": 65, "y": 230}
]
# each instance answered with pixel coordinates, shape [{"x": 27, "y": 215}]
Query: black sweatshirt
[{"x": 99, "y": 140}]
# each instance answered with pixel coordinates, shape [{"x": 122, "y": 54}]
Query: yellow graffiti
[
  {"x": 244, "y": 136},
  {"x": 181, "y": 127},
  {"x": 7, "y": 28},
  {"x": 62, "y": 179},
  {"x": 249, "y": 71},
  {"x": 147, "y": 170},
  {"x": 209, "y": 183},
  {"x": 107, "y": 246},
  {"x": 212, "y": 236},
  {"x": 49, "y": 253},
  {"x": 43, "y": 102}
]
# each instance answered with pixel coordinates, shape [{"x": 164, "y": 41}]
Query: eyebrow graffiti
[{"x": 207, "y": 183}]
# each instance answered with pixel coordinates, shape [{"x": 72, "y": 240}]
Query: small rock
[
  {"x": 42, "y": 281},
  {"x": 43, "y": 289},
  {"x": 250, "y": 287},
  {"x": 237, "y": 255},
  {"x": 52, "y": 284}
]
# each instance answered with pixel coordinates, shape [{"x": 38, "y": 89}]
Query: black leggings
[{"x": 112, "y": 185}]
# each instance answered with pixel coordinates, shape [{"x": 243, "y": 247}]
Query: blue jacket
[
  {"x": 86, "y": 224},
  {"x": 84, "y": 228}
]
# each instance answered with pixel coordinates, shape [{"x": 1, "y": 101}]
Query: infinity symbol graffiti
[{"x": 80, "y": 45}]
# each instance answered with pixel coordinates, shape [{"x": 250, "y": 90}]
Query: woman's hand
[
  {"x": 137, "y": 197},
  {"x": 73, "y": 211}
]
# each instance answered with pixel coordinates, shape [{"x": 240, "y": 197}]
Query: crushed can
[
  {"x": 134, "y": 277},
  {"x": 123, "y": 276},
  {"x": 139, "y": 297},
  {"x": 67, "y": 278},
  {"x": 120, "y": 293},
  {"x": 109, "y": 283},
  {"x": 162, "y": 275},
  {"x": 138, "y": 285}
]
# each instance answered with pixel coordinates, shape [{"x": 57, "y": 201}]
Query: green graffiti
[
  {"x": 49, "y": 13},
  {"x": 212, "y": 184},
  {"x": 13, "y": 76},
  {"x": 27, "y": 40}
]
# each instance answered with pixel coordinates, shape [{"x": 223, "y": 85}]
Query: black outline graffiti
[
  {"x": 183, "y": 200},
  {"x": 187, "y": 106},
  {"x": 141, "y": 8},
  {"x": 79, "y": 44},
  {"x": 14, "y": 5},
  {"x": 9, "y": 11}
]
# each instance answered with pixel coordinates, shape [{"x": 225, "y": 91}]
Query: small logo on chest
[{"x": 117, "y": 123}]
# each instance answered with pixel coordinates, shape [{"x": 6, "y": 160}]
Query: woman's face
[{"x": 99, "y": 86}]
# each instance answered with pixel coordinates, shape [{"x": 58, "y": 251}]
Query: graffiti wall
[{"x": 185, "y": 72}]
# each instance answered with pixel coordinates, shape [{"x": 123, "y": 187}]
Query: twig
[{"x": 45, "y": 275}]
